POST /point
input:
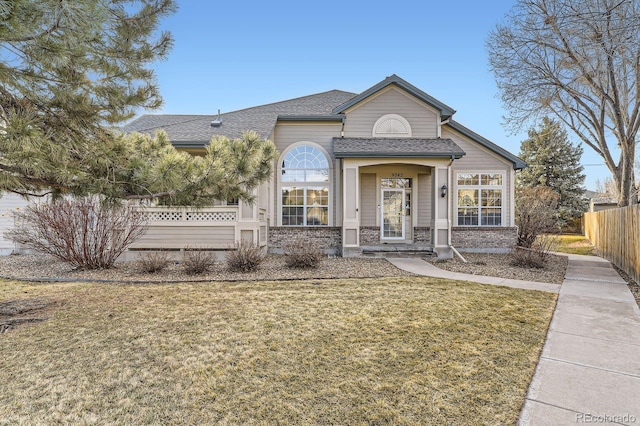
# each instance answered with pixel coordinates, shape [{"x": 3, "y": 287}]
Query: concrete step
[{"x": 398, "y": 250}]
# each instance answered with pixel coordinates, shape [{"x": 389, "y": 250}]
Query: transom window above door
[{"x": 395, "y": 182}]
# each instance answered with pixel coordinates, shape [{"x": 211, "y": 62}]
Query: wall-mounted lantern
[{"x": 443, "y": 191}]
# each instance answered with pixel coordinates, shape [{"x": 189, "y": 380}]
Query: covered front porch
[
  {"x": 396, "y": 191},
  {"x": 396, "y": 206}
]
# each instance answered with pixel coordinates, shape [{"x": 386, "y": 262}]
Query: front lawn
[
  {"x": 574, "y": 244},
  {"x": 353, "y": 351}
]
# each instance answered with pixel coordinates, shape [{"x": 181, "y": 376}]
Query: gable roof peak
[{"x": 445, "y": 110}]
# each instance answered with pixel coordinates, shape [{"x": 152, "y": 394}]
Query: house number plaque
[{"x": 397, "y": 175}]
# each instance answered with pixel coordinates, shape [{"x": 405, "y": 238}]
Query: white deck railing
[{"x": 220, "y": 227}]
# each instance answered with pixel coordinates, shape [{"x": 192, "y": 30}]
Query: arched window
[
  {"x": 391, "y": 125},
  {"x": 305, "y": 187}
]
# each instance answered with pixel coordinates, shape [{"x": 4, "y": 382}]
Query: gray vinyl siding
[
  {"x": 478, "y": 159},
  {"x": 321, "y": 134},
  {"x": 424, "y": 200},
  {"x": 9, "y": 203},
  {"x": 361, "y": 119},
  {"x": 158, "y": 236},
  {"x": 368, "y": 208}
]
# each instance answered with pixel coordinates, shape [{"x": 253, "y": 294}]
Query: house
[
  {"x": 388, "y": 167},
  {"x": 602, "y": 202},
  {"x": 9, "y": 203}
]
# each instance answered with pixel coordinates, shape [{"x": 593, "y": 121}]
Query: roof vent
[{"x": 217, "y": 122}]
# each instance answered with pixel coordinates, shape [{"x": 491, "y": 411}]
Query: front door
[{"x": 392, "y": 224}]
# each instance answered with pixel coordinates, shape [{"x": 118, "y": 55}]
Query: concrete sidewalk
[{"x": 589, "y": 370}]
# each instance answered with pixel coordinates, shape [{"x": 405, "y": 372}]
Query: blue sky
[{"x": 234, "y": 55}]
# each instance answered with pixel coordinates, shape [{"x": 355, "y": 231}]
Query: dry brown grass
[
  {"x": 575, "y": 244},
  {"x": 359, "y": 351}
]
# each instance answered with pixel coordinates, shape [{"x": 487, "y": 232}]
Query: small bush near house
[
  {"x": 535, "y": 214},
  {"x": 197, "y": 261},
  {"x": 84, "y": 232},
  {"x": 245, "y": 258},
  {"x": 302, "y": 254},
  {"x": 153, "y": 261},
  {"x": 534, "y": 256}
]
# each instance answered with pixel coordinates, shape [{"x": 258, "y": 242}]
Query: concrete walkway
[
  {"x": 589, "y": 370},
  {"x": 421, "y": 267}
]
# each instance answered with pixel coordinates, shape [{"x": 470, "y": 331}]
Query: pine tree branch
[{"x": 50, "y": 30}]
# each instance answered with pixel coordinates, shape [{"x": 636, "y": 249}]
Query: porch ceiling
[{"x": 392, "y": 147}]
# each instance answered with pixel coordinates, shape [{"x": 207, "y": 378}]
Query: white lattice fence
[
  {"x": 170, "y": 215},
  {"x": 164, "y": 216},
  {"x": 177, "y": 228},
  {"x": 211, "y": 216}
]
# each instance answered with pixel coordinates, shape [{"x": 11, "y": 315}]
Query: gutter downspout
[{"x": 449, "y": 183}]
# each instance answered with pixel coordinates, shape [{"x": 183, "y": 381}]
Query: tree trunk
[{"x": 625, "y": 179}]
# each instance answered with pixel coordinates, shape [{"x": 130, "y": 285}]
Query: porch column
[
  {"x": 441, "y": 216},
  {"x": 350, "y": 212}
]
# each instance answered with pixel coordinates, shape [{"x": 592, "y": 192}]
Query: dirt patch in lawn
[{"x": 16, "y": 312}]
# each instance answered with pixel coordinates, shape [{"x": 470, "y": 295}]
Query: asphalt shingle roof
[
  {"x": 392, "y": 147},
  {"x": 197, "y": 129}
]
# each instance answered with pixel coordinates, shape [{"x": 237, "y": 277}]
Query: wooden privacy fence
[{"x": 616, "y": 234}]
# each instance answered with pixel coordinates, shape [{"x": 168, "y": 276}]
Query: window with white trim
[
  {"x": 305, "y": 187},
  {"x": 480, "y": 199},
  {"x": 391, "y": 126}
]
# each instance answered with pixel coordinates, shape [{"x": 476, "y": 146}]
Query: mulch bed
[{"x": 499, "y": 265}]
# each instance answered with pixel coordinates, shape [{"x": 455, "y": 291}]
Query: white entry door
[{"x": 392, "y": 223}]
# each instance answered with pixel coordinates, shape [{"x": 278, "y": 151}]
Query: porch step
[{"x": 398, "y": 250}]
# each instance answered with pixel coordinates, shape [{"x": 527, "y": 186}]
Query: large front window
[
  {"x": 480, "y": 198},
  {"x": 305, "y": 187}
]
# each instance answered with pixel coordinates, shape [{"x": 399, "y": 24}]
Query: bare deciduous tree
[
  {"x": 580, "y": 61},
  {"x": 607, "y": 187},
  {"x": 84, "y": 232},
  {"x": 535, "y": 213}
]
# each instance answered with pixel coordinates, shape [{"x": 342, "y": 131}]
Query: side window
[{"x": 480, "y": 199}]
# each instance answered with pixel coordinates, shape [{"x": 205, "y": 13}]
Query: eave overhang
[
  {"x": 518, "y": 163},
  {"x": 445, "y": 111},
  {"x": 396, "y": 148},
  {"x": 322, "y": 118}
]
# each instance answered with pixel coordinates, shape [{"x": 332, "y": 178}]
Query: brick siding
[
  {"x": 483, "y": 239},
  {"x": 422, "y": 235},
  {"x": 328, "y": 238},
  {"x": 369, "y": 235}
]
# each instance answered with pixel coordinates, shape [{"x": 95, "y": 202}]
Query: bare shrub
[
  {"x": 536, "y": 255},
  {"x": 84, "y": 232},
  {"x": 246, "y": 257},
  {"x": 153, "y": 261},
  {"x": 198, "y": 261},
  {"x": 301, "y": 253},
  {"x": 535, "y": 214}
]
